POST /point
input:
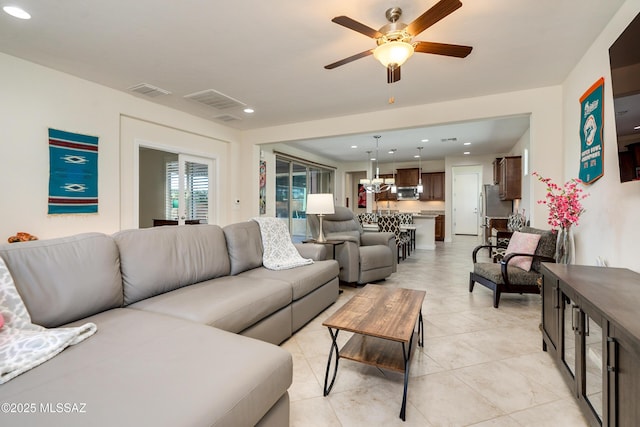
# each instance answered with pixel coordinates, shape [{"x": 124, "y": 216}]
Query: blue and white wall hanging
[{"x": 73, "y": 173}]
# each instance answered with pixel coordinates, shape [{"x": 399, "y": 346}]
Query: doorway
[
  {"x": 174, "y": 188},
  {"x": 466, "y": 199}
]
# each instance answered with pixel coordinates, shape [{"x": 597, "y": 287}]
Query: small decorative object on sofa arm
[{"x": 506, "y": 277}]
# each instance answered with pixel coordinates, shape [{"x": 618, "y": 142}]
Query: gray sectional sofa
[{"x": 187, "y": 318}]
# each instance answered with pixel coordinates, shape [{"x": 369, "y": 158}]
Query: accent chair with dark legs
[{"x": 506, "y": 276}]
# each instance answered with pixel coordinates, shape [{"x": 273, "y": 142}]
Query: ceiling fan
[{"x": 395, "y": 40}]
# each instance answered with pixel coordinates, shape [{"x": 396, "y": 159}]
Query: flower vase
[{"x": 565, "y": 246}]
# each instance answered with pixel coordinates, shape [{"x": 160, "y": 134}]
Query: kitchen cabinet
[
  {"x": 407, "y": 177},
  {"x": 386, "y": 195},
  {"x": 433, "y": 186},
  {"x": 590, "y": 327},
  {"x": 510, "y": 183},
  {"x": 439, "y": 231},
  {"x": 496, "y": 171}
]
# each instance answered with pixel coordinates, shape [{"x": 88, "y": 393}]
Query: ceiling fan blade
[
  {"x": 393, "y": 74},
  {"x": 445, "y": 49},
  {"x": 351, "y": 24},
  {"x": 438, "y": 11},
  {"x": 349, "y": 59}
]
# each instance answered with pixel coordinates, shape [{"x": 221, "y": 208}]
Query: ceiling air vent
[
  {"x": 215, "y": 99},
  {"x": 148, "y": 90},
  {"x": 227, "y": 118},
  {"x": 449, "y": 139}
]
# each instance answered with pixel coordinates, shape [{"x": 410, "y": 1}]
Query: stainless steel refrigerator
[{"x": 493, "y": 207}]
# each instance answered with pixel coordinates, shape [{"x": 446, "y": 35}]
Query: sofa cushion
[
  {"x": 146, "y": 369},
  {"x": 232, "y": 303},
  {"x": 244, "y": 244},
  {"x": 65, "y": 279},
  {"x": 161, "y": 259},
  {"x": 302, "y": 280}
]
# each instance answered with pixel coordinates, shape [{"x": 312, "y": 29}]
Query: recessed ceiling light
[
  {"x": 354, "y": 146},
  {"x": 467, "y": 143},
  {"x": 424, "y": 140},
  {"x": 417, "y": 156},
  {"x": 636, "y": 128},
  {"x": 467, "y": 152},
  {"x": 248, "y": 110},
  {"x": 16, "y": 12},
  {"x": 373, "y": 159}
]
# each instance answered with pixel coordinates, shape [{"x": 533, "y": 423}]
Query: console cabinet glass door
[
  {"x": 550, "y": 309},
  {"x": 593, "y": 364},
  {"x": 570, "y": 315}
]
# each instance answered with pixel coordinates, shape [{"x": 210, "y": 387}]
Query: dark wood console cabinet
[{"x": 591, "y": 326}]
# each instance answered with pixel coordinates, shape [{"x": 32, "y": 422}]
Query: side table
[{"x": 332, "y": 243}]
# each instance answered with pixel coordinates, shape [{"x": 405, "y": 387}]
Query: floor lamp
[{"x": 320, "y": 204}]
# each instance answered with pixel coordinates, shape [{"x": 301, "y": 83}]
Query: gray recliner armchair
[{"x": 364, "y": 257}]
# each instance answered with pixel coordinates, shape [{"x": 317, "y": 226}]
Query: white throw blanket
[
  {"x": 23, "y": 345},
  {"x": 279, "y": 253}
]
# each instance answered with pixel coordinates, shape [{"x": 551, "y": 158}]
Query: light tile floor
[{"x": 479, "y": 366}]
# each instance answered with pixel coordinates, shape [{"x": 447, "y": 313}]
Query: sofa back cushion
[
  {"x": 343, "y": 220},
  {"x": 65, "y": 279},
  {"x": 158, "y": 260},
  {"x": 244, "y": 244}
]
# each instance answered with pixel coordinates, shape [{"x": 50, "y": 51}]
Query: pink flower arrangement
[{"x": 564, "y": 203}]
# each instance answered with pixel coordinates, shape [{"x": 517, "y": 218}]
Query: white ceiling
[
  {"x": 270, "y": 54},
  {"x": 484, "y": 137}
]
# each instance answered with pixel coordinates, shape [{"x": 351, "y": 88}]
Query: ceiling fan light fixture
[{"x": 393, "y": 52}]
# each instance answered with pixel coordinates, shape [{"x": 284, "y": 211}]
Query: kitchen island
[{"x": 425, "y": 230}]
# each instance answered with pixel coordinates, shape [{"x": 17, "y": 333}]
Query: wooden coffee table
[{"x": 383, "y": 321}]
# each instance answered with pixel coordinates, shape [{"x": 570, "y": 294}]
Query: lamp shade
[
  {"x": 320, "y": 204},
  {"x": 393, "y": 53}
]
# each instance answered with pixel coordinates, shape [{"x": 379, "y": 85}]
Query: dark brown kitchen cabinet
[
  {"x": 386, "y": 195},
  {"x": 407, "y": 177},
  {"x": 590, "y": 327},
  {"x": 510, "y": 184},
  {"x": 439, "y": 231},
  {"x": 433, "y": 186}
]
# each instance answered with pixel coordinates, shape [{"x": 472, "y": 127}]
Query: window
[
  {"x": 294, "y": 180},
  {"x": 196, "y": 190}
]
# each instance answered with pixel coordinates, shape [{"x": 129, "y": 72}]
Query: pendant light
[{"x": 420, "y": 187}]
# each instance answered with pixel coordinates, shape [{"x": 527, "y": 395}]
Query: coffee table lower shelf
[{"x": 377, "y": 352}]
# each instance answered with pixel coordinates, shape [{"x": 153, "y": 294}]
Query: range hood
[{"x": 408, "y": 193}]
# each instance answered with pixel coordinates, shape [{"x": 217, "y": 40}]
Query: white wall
[
  {"x": 35, "y": 98},
  {"x": 609, "y": 227}
]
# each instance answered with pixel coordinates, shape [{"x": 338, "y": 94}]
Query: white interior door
[
  {"x": 194, "y": 178},
  {"x": 466, "y": 195}
]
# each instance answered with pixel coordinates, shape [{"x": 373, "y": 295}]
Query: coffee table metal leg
[
  {"x": 420, "y": 330},
  {"x": 406, "y": 355},
  {"x": 334, "y": 349}
]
